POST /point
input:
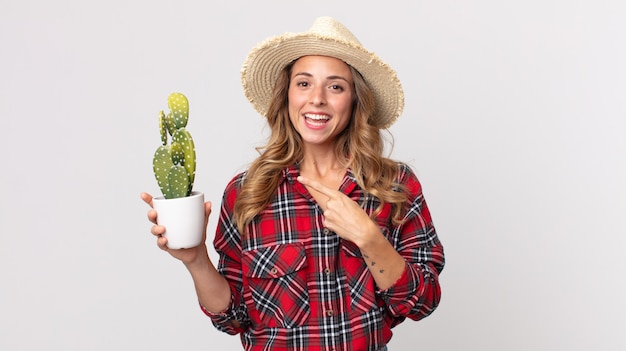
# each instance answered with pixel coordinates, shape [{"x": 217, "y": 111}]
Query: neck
[{"x": 321, "y": 165}]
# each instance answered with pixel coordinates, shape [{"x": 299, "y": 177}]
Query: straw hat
[{"x": 326, "y": 37}]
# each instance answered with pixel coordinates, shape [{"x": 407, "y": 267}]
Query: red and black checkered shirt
[{"x": 297, "y": 286}]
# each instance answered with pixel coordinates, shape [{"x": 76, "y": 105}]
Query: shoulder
[
  {"x": 236, "y": 181},
  {"x": 233, "y": 186},
  {"x": 406, "y": 174},
  {"x": 408, "y": 179}
]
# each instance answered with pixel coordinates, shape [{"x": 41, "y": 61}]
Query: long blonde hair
[{"x": 361, "y": 144}]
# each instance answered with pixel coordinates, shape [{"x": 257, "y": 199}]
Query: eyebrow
[{"x": 307, "y": 74}]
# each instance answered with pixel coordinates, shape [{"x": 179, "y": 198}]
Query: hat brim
[{"x": 264, "y": 63}]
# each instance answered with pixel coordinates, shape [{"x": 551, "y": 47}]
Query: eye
[
  {"x": 336, "y": 87},
  {"x": 302, "y": 83}
]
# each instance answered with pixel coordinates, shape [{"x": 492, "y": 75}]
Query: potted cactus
[{"x": 180, "y": 209}]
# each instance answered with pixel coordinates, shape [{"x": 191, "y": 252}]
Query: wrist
[
  {"x": 372, "y": 238},
  {"x": 200, "y": 262}
]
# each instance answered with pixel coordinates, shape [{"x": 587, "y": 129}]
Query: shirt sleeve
[
  {"x": 416, "y": 294},
  {"x": 227, "y": 244}
]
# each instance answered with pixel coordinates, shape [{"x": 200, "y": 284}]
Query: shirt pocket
[
  {"x": 277, "y": 280},
  {"x": 359, "y": 279}
]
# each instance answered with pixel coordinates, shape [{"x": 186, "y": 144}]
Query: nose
[{"x": 318, "y": 96}]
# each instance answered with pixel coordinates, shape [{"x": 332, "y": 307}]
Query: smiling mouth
[{"x": 316, "y": 120}]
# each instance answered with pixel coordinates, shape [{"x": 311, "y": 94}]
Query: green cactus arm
[
  {"x": 178, "y": 154},
  {"x": 162, "y": 128},
  {"x": 183, "y": 137},
  {"x": 178, "y": 180},
  {"x": 161, "y": 165},
  {"x": 179, "y": 105},
  {"x": 169, "y": 124}
]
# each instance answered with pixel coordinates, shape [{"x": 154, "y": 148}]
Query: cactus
[{"x": 174, "y": 164}]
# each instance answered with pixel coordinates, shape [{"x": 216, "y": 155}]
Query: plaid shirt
[{"x": 297, "y": 286}]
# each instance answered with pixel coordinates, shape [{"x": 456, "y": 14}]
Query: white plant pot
[{"x": 183, "y": 219}]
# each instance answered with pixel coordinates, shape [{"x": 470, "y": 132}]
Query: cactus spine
[{"x": 174, "y": 164}]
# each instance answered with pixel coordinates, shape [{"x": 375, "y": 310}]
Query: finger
[
  {"x": 207, "y": 208},
  {"x": 157, "y": 230},
  {"x": 162, "y": 243},
  {"x": 147, "y": 198},
  {"x": 315, "y": 185},
  {"x": 207, "y": 213},
  {"x": 152, "y": 216}
]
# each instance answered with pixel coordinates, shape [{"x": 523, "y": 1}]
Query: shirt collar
[{"x": 292, "y": 172}]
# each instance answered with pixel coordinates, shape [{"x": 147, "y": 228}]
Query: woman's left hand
[
  {"x": 346, "y": 218},
  {"x": 343, "y": 215}
]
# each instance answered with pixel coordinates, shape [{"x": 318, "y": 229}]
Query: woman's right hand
[
  {"x": 187, "y": 256},
  {"x": 211, "y": 287}
]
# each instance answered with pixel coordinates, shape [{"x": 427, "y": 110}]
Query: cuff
[
  {"x": 406, "y": 285},
  {"x": 222, "y": 314}
]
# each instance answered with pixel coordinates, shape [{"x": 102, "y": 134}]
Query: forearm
[
  {"x": 384, "y": 262},
  {"x": 211, "y": 287}
]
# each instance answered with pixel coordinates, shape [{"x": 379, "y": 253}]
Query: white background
[{"x": 515, "y": 123}]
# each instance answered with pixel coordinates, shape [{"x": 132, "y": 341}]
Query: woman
[{"x": 324, "y": 244}]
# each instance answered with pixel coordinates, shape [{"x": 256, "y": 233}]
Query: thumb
[{"x": 147, "y": 198}]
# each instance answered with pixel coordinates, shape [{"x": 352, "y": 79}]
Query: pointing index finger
[{"x": 317, "y": 186}]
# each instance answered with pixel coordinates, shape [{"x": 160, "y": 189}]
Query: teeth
[{"x": 317, "y": 117}]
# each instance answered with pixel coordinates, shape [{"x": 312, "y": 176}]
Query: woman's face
[{"x": 321, "y": 96}]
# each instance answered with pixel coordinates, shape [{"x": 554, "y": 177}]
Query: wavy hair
[{"x": 360, "y": 144}]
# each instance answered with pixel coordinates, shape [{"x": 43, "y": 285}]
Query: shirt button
[
  {"x": 329, "y": 313},
  {"x": 327, "y": 271},
  {"x": 326, "y": 231},
  {"x": 274, "y": 270}
]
